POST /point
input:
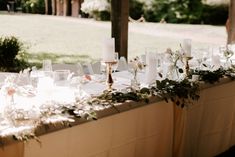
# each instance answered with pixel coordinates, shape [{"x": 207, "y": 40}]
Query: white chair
[
  {"x": 4, "y": 75},
  {"x": 75, "y": 68},
  {"x": 122, "y": 64},
  {"x": 88, "y": 68},
  {"x": 80, "y": 70},
  {"x": 96, "y": 67}
]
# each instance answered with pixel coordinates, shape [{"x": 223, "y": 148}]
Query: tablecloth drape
[{"x": 207, "y": 128}]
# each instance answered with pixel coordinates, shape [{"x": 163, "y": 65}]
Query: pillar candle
[
  {"x": 108, "y": 50},
  {"x": 151, "y": 67},
  {"x": 187, "y": 47}
]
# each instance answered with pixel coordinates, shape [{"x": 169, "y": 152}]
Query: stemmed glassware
[
  {"x": 226, "y": 53},
  {"x": 116, "y": 59},
  {"x": 201, "y": 55},
  {"x": 47, "y": 65}
]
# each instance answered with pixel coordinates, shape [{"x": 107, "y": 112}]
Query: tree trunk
[
  {"x": 119, "y": 18},
  {"x": 46, "y": 6},
  {"x": 231, "y": 23},
  {"x": 53, "y": 6}
]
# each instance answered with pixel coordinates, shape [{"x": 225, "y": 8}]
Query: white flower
[
  {"x": 136, "y": 65},
  {"x": 90, "y": 6}
]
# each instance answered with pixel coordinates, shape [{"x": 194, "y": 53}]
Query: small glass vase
[
  {"x": 9, "y": 109},
  {"x": 135, "y": 85}
]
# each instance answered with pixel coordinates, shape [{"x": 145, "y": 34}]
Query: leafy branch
[
  {"x": 214, "y": 76},
  {"x": 182, "y": 93}
]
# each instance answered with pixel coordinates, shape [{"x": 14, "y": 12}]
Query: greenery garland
[
  {"x": 182, "y": 93},
  {"x": 212, "y": 77}
]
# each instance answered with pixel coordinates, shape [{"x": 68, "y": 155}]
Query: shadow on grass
[{"x": 37, "y": 58}]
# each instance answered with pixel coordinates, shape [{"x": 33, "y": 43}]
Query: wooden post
[
  {"x": 231, "y": 23},
  {"x": 53, "y": 5},
  {"x": 119, "y": 18},
  {"x": 59, "y": 7},
  {"x": 75, "y": 8},
  {"x": 65, "y": 7},
  {"x": 46, "y": 6}
]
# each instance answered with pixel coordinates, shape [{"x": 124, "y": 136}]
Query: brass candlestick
[
  {"x": 109, "y": 79},
  {"x": 187, "y": 65}
]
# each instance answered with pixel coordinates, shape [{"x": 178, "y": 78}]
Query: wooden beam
[
  {"x": 231, "y": 23},
  {"x": 119, "y": 18}
]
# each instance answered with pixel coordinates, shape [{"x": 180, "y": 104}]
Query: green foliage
[
  {"x": 104, "y": 15},
  {"x": 177, "y": 11},
  {"x": 216, "y": 14},
  {"x": 3, "y": 4},
  {"x": 12, "y": 54},
  {"x": 120, "y": 97},
  {"x": 185, "y": 11},
  {"x": 213, "y": 76},
  {"x": 136, "y": 9},
  {"x": 181, "y": 93},
  {"x": 33, "y": 6}
]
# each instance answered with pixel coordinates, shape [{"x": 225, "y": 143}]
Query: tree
[
  {"x": 231, "y": 23},
  {"x": 177, "y": 11}
]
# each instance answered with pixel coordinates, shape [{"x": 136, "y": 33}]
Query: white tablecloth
[
  {"x": 160, "y": 129},
  {"x": 143, "y": 132},
  {"x": 208, "y": 127}
]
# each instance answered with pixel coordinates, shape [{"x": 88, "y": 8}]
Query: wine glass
[
  {"x": 201, "y": 55},
  {"x": 47, "y": 65},
  {"x": 157, "y": 55},
  {"x": 116, "y": 59}
]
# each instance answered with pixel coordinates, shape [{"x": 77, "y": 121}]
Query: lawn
[{"x": 67, "y": 39}]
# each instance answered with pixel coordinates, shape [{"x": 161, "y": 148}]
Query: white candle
[
  {"x": 108, "y": 50},
  {"x": 151, "y": 67},
  {"x": 187, "y": 47}
]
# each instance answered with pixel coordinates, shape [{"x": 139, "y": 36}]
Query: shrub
[
  {"x": 136, "y": 9},
  {"x": 12, "y": 54},
  {"x": 3, "y": 4},
  {"x": 98, "y": 9},
  {"x": 215, "y": 14},
  {"x": 104, "y": 15},
  {"x": 33, "y": 6},
  {"x": 177, "y": 11}
]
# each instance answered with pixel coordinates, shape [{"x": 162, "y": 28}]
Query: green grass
[
  {"x": 57, "y": 58},
  {"x": 71, "y": 40}
]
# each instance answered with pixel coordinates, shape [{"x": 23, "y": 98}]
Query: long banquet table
[{"x": 145, "y": 130}]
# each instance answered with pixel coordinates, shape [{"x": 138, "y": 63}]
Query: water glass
[
  {"x": 159, "y": 56},
  {"x": 47, "y": 65}
]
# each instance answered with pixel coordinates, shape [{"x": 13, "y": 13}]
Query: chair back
[{"x": 96, "y": 67}]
